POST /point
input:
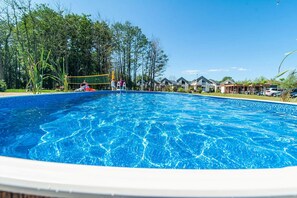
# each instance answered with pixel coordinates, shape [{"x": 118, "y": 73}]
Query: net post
[{"x": 66, "y": 83}]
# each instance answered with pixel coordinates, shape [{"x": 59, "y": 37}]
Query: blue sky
[{"x": 243, "y": 39}]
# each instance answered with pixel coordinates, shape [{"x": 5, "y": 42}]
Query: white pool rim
[{"x": 69, "y": 180}]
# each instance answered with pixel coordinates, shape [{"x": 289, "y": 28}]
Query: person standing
[
  {"x": 121, "y": 83},
  {"x": 112, "y": 83}
]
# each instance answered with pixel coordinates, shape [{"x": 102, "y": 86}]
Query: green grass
[
  {"x": 24, "y": 90},
  {"x": 15, "y": 90},
  {"x": 255, "y": 97}
]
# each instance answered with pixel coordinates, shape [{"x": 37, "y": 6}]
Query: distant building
[
  {"x": 216, "y": 84},
  {"x": 258, "y": 89},
  {"x": 183, "y": 83},
  {"x": 224, "y": 84},
  {"x": 204, "y": 83},
  {"x": 166, "y": 82},
  {"x": 147, "y": 85}
]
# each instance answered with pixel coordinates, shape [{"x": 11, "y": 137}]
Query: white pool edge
[{"x": 67, "y": 180}]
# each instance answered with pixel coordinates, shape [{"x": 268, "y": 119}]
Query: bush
[
  {"x": 2, "y": 86},
  {"x": 199, "y": 90},
  {"x": 167, "y": 88},
  {"x": 174, "y": 89},
  {"x": 285, "y": 96},
  {"x": 190, "y": 89},
  {"x": 180, "y": 89}
]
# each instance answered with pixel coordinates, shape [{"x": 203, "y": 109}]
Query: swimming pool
[{"x": 149, "y": 130}]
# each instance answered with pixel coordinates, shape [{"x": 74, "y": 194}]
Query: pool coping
[{"x": 69, "y": 180}]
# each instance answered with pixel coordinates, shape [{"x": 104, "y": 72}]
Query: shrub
[
  {"x": 167, "y": 88},
  {"x": 199, "y": 90},
  {"x": 190, "y": 89},
  {"x": 2, "y": 86},
  {"x": 174, "y": 89},
  {"x": 180, "y": 89},
  {"x": 285, "y": 96}
]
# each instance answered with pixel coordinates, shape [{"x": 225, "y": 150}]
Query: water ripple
[{"x": 155, "y": 131}]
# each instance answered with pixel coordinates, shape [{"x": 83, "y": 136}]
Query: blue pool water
[{"x": 149, "y": 130}]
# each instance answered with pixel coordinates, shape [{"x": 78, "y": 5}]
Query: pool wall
[{"x": 66, "y": 180}]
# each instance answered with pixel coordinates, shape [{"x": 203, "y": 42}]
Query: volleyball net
[{"x": 102, "y": 79}]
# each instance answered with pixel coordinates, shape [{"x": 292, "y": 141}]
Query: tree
[
  {"x": 227, "y": 78},
  {"x": 79, "y": 43},
  {"x": 261, "y": 80},
  {"x": 156, "y": 62},
  {"x": 290, "y": 81},
  {"x": 130, "y": 46},
  {"x": 102, "y": 42},
  {"x": 75, "y": 45}
]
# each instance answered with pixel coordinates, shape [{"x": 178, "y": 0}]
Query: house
[
  {"x": 215, "y": 84},
  {"x": 244, "y": 88},
  {"x": 157, "y": 85},
  {"x": 183, "y": 83},
  {"x": 166, "y": 82},
  {"x": 147, "y": 85},
  {"x": 204, "y": 83},
  {"x": 225, "y": 84},
  {"x": 166, "y": 85}
]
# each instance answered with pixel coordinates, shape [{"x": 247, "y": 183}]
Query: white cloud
[
  {"x": 191, "y": 71},
  {"x": 217, "y": 70},
  {"x": 239, "y": 68}
]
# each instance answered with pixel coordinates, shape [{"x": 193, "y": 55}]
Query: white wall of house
[
  {"x": 183, "y": 84},
  {"x": 223, "y": 89},
  {"x": 205, "y": 85}
]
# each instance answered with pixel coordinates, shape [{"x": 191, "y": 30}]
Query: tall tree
[
  {"x": 79, "y": 42},
  {"x": 130, "y": 45},
  {"x": 75, "y": 45},
  {"x": 102, "y": 42},
  {"x": 156, "y": 62}
]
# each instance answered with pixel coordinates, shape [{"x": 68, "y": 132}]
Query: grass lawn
[
  {"x": 24, "y": 90},
  {"x": 255, "y": 97}
]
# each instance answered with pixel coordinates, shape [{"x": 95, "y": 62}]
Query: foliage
[
  {"x": 132, "y": 51},
  {"x": 36, "y": 72},
  {"x": 60, "y": 76},
  {"x": 191, "y": 89},
  {"x": 199, "y": 90},
  {"x": 173, "y": 89},
  {"x": 290, "y": 81},
  {"x": 260, "y": 80},
  {"x": 244, "y": 82},
  {"x": 227, "y": 78},
  {"x": 167, "y": 88},
  {"x": 78, "y": 46},
  {"x": 2, "y": 86},
  {"x": 180, "y": 89}
]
